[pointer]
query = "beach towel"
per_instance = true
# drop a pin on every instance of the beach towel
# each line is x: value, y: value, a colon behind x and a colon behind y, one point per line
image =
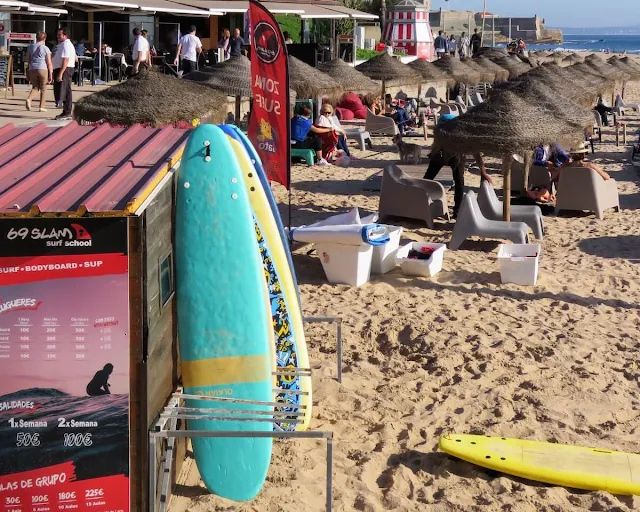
x: 354, y: 234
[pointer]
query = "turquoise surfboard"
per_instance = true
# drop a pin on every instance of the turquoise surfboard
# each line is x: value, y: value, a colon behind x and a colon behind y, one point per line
x: 224, y: 322
x: 290, y: 346
x: 235, y: 132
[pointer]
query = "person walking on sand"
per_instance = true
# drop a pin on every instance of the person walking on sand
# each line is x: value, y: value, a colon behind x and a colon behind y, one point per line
x: 39, y: 70
x: 452, y: 45
x: 99, y: 385
x: 440, y: 45
x: 189, y: 49
x: 476, y: 41
x: 64, y: 63
x: 463, y: 45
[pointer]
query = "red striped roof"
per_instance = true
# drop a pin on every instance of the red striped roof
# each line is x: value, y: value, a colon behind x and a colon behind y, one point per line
x: 80, y: 169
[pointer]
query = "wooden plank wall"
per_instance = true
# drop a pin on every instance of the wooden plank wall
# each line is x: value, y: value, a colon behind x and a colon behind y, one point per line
x: 160, y: 323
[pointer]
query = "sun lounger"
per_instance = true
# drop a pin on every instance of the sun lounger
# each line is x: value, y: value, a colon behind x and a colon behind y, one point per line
x: 380, y: 125
x: 412, y: 198
x: 491, y: 208
x: 362, y: 136
x: 471, y: 222
x: 621, y: 106
x: 582, y: 188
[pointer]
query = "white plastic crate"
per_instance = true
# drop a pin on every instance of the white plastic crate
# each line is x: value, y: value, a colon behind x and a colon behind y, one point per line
x: 384, y: 256
x: 425, y: 268
x: 519, y: 263
x: 346, y: 264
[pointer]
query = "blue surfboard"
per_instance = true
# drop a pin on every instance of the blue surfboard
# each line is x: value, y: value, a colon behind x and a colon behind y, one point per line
x: 224, y: 321
x: 237, y: 134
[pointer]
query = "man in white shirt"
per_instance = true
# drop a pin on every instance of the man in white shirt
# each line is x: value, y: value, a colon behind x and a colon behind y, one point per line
x: 188, y: 49
x: 140, y: 52
x: 64, y: 62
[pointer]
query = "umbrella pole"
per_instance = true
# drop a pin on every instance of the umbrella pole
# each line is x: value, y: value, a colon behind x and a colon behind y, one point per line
x: 506, y: 187
x: 527, y: 168
x: 238, y: 101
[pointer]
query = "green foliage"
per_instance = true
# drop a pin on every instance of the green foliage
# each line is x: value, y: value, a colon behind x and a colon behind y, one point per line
x: 362, y: 54
x: 290, y: 23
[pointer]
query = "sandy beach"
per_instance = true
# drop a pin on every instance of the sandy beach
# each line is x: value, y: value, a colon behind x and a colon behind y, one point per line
x: 462, y: 353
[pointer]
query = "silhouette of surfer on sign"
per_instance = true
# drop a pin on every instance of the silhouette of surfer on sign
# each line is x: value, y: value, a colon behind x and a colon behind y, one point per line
x: 99, y: 385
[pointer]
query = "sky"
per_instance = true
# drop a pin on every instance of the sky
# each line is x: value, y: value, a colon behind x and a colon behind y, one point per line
x: 558, y: 13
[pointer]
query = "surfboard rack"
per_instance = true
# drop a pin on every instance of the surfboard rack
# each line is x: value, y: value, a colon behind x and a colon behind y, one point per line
x: 165, y: 428
x: 330, y: 320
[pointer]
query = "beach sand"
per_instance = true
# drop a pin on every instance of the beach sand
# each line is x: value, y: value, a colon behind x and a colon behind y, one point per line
x: 462, y: 353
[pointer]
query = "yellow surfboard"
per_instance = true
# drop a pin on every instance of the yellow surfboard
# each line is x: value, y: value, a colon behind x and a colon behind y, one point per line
x: 290, y: 344
x: 592, y: 469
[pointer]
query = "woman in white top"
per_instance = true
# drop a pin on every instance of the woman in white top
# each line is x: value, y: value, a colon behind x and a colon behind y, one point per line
x: 335, y: 139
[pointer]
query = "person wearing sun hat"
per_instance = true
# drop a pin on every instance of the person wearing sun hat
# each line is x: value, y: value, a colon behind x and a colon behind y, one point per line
x: 578, y: 155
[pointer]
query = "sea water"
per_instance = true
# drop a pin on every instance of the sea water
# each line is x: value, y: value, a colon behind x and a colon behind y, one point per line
x: 618, y: 43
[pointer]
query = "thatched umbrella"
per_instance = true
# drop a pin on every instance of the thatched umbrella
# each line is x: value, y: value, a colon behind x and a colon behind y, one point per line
x: 606, y: 70
x: 574, y: 58
x: 458, y: 70
x: 231, y: 77
x: 514, y: 68
x: 587, y: 82
x: 537, y: 89
x: 486, y: 75
x: 430, y: 73
x: 503, y: 125
x: 624, y: 66
x: 389, y: 71
x: 501, y: 73
x: 635, y: 64
x: 568, y: 83
x: 154, y: 99
x: 349, y: 78
x: 308, y: 82
x: 490, y: 52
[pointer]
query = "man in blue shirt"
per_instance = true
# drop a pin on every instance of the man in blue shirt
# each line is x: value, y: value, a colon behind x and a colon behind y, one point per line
x: 551, y: 156
x: 440, y: 45
x: 303, y: 134
x: 236, y: 43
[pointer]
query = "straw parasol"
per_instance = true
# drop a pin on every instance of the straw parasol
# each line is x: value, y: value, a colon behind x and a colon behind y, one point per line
x: 232, y: 76
x: 308, y: 82
x: 573, y: 58
x: 514, y: 68
x: 539, y: 90
x: 430, y: 73
x: 570, y: 84
x: 501, y: 73
x: 390, y: 71
x: 489, y: 52
x: 154, y: 99
x: 486, y: 75
x: 458, y: 70
x: 605, y: 69
x: 585, y: 78
x: 503, y: 125
x: 349, y: 78
x: 632, y: 71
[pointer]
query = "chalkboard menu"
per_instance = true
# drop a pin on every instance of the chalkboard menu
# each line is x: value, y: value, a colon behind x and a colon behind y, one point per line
x: 6, y: 74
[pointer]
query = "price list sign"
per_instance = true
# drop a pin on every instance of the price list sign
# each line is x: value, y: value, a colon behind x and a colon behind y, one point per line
x: 64, y: 365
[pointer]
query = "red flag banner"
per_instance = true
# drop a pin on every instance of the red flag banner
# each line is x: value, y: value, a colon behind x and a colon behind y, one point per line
x: 269, y: 126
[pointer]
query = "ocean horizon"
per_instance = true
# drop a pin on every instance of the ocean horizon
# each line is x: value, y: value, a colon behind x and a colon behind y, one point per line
x: 619, y: 43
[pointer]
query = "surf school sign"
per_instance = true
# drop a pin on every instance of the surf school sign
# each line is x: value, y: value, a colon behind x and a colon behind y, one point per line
x: 269, y: 128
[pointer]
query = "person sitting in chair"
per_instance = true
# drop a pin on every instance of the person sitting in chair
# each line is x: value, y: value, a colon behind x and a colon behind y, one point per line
x: 550, y: 156
x: 337, y: 138
x: 577, y: 159
x: 306, y: 135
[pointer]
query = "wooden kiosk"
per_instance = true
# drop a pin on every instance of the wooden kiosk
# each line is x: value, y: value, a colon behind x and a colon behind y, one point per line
x: 79, y: 189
